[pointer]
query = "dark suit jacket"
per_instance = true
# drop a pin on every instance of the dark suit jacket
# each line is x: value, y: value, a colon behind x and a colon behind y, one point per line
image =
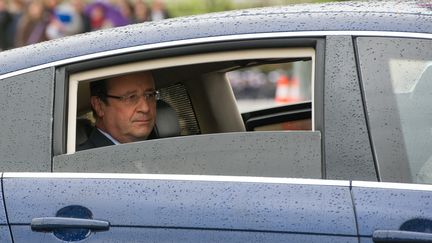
x: 95, y: 140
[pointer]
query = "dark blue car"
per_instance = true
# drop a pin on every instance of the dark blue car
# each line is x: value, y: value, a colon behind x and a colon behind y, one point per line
x: 333, y: 146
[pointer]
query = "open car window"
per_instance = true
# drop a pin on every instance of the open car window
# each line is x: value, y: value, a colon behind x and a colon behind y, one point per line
x: 214, y: 137
x: 199, y: 80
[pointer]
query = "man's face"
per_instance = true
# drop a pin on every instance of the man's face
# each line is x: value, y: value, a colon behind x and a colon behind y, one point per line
x: 128, y: 122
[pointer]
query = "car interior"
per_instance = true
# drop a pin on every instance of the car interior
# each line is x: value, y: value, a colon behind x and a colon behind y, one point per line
x: 196, y: 96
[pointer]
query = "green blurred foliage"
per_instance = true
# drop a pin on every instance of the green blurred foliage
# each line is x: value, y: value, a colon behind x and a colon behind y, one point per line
x: 178, y: 8
x: 192, y: 7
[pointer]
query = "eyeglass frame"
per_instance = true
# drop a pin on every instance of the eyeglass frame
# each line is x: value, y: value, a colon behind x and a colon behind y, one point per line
x: 146, y: 96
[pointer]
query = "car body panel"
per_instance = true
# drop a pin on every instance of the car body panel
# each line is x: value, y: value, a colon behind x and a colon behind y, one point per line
x: 392, y: 206
x: 27, y: 107
x: 279, y: 206
x: 347, y: 157
x: 150, y: 234
x: 5, y: 234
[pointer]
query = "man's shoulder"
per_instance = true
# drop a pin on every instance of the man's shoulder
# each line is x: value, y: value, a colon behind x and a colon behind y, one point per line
x: 95, y: 140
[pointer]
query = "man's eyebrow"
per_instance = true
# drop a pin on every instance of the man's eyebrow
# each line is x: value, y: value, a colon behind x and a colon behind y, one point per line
x: 130, y: 92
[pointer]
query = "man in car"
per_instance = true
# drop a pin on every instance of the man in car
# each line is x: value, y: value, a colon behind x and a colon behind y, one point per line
x: 124, y: 108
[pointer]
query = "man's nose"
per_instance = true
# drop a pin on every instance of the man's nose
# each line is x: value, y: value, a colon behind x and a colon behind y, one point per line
x: 144, y: 105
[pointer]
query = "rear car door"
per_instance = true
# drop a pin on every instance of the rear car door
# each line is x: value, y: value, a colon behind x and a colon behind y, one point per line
x: 393, y: 212
x: 396, y: 75
x: 161, y: 208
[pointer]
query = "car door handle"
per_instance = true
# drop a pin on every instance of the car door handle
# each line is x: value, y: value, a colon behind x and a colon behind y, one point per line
x: 53, y: 223
x: 400, y: 236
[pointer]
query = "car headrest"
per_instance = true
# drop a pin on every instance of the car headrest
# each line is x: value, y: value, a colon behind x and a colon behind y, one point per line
x: 83, y: 130
x: 167, y: 123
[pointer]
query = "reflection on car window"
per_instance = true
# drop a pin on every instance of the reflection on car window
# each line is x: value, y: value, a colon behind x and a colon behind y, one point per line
x: 397, y: 77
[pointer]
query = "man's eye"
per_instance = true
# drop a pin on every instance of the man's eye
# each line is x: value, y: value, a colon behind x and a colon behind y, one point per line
x: 132, y: 98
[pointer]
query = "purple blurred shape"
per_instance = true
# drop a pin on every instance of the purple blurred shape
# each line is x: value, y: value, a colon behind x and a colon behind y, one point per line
x: 112, y: 13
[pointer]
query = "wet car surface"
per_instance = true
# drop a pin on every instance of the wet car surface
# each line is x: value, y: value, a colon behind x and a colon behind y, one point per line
x: 357, y: 169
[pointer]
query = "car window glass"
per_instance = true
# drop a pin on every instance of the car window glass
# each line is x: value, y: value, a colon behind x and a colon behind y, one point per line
x: 263, y: 154
x: 397, y: 79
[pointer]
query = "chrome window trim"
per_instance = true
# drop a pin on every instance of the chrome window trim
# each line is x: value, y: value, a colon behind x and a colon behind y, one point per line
x: 218, y: 39
x: 391, y: 185
x: 247, y: 179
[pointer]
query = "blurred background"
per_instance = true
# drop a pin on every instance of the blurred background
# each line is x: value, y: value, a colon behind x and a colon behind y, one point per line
x: 25, y: 22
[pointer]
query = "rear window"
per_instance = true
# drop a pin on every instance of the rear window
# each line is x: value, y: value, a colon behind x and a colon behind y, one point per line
x: 397, y: 79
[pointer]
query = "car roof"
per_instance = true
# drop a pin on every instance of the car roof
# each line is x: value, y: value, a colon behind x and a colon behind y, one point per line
x: 401, y: 16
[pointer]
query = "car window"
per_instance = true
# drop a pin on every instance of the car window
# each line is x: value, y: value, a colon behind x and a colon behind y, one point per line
x: 212, y: 138
x: 397, y: 79
x: 194, y: 86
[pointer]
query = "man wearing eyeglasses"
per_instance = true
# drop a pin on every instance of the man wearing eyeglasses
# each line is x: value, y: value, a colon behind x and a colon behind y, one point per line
x: 124, y: 108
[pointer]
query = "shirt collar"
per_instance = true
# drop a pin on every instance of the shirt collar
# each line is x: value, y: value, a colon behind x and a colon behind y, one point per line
x: 109, y: 137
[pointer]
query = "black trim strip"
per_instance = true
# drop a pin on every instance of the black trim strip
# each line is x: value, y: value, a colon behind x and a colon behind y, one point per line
x: 363, y: 97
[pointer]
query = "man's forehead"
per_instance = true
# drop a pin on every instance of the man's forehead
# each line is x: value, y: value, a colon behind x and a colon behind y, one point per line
x: 132, y: 82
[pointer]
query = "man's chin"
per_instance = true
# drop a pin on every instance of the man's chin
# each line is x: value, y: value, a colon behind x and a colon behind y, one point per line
x: 141, y: 134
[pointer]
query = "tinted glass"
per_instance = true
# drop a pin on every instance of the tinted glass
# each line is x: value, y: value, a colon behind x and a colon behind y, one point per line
x: 397, y: 79
x: 264, y: 154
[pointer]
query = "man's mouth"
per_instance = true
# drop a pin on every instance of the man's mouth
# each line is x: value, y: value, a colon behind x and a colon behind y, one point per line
x: 143, y: 121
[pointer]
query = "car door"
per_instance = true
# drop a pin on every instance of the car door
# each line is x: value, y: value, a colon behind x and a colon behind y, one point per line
x: 396, y: 79
x: 393, y: 212
x: 72, y: 207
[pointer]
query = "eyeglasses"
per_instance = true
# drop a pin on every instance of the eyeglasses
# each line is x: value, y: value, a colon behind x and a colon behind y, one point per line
x: 133, y: 99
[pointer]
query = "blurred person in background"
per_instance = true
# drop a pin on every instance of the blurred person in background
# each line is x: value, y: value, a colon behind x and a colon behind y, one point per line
x: 158, y: 11
x: 50, y: 5
x: 79, y: 7
x: 126, y: 9
x: 32, y: 25
x: 141, y: 12
x: 65, y: 21
x: 97, y: 17
x: 16, y: 10
x: 5, y: 20
x: 104, y: 15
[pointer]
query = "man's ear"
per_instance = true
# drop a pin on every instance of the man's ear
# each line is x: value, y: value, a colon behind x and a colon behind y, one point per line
x: 97, y: 106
